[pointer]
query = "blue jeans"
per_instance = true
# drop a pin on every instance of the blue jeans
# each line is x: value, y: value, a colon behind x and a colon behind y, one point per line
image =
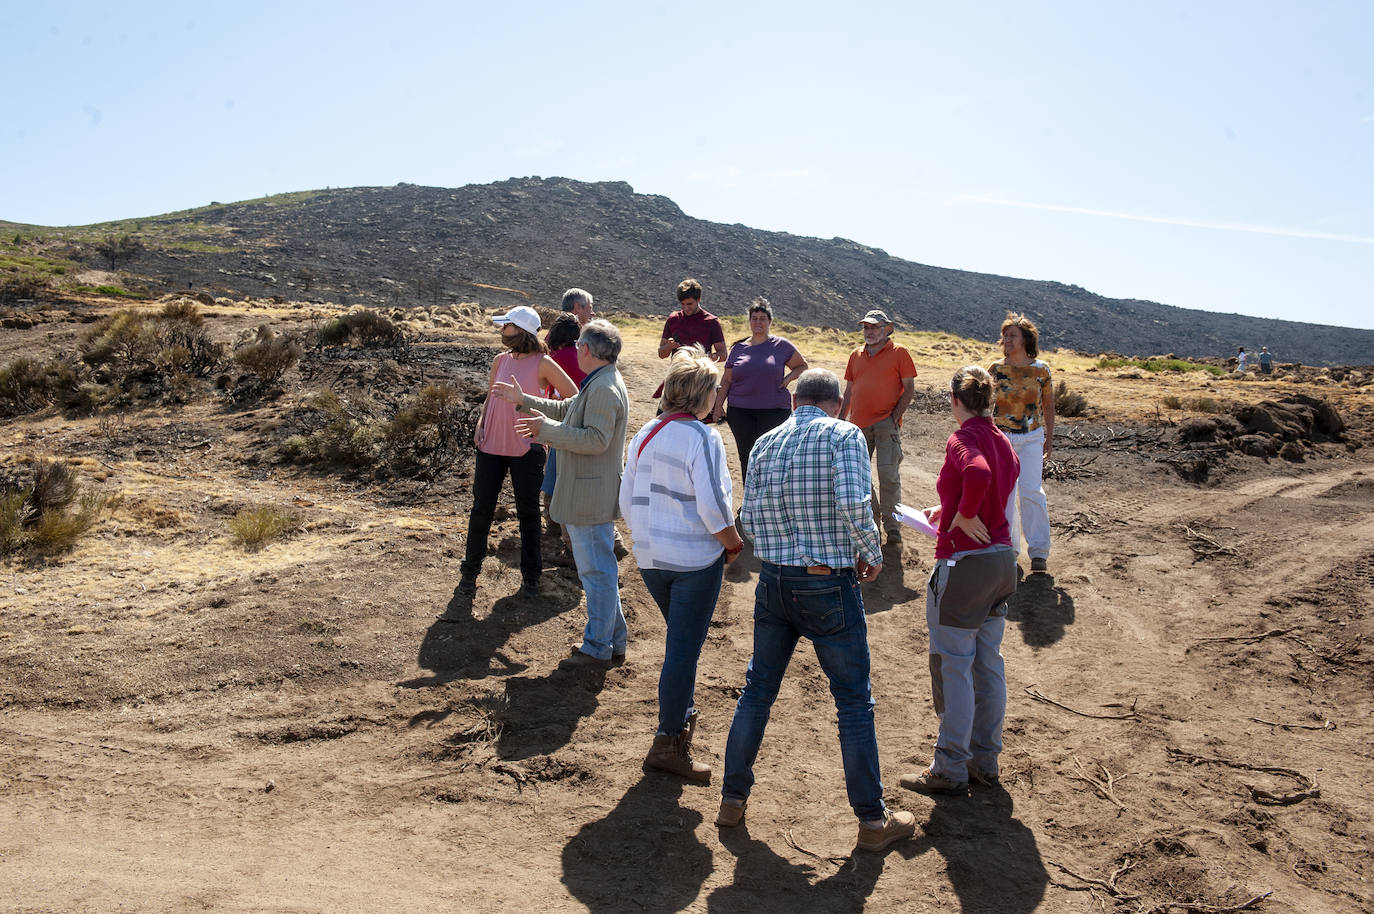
x: 593, y: 547
x: 828, y: 609
x: 550, y: 473
x: 687, y: 600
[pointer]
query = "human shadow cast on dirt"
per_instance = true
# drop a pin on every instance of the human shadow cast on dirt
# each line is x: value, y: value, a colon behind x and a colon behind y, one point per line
x: 1041, y: 609
x: 458, y: 645
x: 991, y: 857
x: 890, y: 588
x: 542, y: 712
x: 643, y: 856
x: 765, y: 880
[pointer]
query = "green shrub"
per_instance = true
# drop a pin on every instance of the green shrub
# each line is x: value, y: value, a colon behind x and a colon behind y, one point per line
x: 254, y: 528
x: 267, y: 357
x: 340, y: 435
x: 27, y: 385
x: 1156, y: 365
x: 36, y: 516
x: 1068, y: 403
x: 1203, y: 405
x: 367, y: 328
x: 1172, y: 402
x: 424, y: 436
x: 161, y: 354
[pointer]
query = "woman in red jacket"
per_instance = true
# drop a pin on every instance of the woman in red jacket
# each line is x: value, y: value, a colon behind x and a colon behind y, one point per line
x: 966, y: 598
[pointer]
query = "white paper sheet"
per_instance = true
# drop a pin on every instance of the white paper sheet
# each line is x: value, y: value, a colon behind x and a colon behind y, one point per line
x: 915, y: 518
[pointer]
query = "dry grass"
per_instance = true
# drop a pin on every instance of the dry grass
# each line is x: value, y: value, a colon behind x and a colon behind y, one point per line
x: 254, y: 528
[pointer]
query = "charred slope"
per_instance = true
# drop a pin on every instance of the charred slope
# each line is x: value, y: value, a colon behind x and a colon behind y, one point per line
x: 530, y: 238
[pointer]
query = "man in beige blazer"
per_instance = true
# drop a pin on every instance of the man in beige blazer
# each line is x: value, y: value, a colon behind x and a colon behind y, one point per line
x: 589, y: 431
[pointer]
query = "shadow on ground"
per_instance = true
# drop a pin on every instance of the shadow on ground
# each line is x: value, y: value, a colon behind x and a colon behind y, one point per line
x: 643, y: 856
x: 1042, y: 610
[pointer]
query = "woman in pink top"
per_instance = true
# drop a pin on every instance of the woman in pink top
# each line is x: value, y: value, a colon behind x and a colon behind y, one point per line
x: 500, y: 448
x: 966, y: 598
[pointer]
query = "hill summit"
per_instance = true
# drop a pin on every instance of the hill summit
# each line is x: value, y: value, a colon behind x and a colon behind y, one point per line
x: 528, y: 239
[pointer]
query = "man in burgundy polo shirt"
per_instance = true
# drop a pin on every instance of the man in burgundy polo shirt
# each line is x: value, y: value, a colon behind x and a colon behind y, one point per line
x: 879, y: 382
x: 692, y: 324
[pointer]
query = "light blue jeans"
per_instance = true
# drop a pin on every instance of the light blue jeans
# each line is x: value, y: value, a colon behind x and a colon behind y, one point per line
x: 790, y: 604
x: 593, y: 547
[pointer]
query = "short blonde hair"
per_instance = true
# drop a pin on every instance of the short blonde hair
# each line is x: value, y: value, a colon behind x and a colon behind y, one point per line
x: 691, y: 383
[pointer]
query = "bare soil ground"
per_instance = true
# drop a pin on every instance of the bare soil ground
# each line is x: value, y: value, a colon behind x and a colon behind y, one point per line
x: 185, y: 725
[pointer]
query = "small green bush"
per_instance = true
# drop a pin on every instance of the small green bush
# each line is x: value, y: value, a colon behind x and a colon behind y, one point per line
x: 1172, y: 402
x: 1157, y: 365
x: 254, y: 528
x: 267, y: 357
x: 27, y: 385
x: 367, y: 328
x: 1068, y: 403
x: 342, y: 435
x: 157, y: 355
x: 36, y: 516
x: 1203, y: 405
x: 424, y: 436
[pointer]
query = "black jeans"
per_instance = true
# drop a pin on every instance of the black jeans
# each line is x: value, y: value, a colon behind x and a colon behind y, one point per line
x: 748, y: 425
x: 526, y: 476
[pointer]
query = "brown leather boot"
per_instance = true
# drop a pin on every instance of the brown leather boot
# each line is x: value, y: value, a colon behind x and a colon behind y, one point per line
x: 672, y: 753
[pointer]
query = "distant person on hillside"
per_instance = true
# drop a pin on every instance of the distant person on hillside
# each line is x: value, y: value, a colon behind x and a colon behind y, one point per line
x: 562, y: 343
x: 502, y: 448
x: 757, y: 373
x: 578, y: 302
x: 589, y: 431
x: 1241, y: 359
x: 1025, y: 412
x: 879, y: 382
x: 806, y: 507
x: 966, y: 598
x: 1266, y: 361
x: 676, y: 495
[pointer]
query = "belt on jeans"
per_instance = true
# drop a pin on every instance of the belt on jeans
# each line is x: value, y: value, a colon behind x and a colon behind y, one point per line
x: 811, y: 569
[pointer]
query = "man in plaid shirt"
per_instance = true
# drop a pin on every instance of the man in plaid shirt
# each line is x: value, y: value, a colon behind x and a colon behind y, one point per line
x: 807, y: 507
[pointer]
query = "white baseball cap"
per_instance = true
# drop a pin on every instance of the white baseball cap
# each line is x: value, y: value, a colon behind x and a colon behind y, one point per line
x: 522, y: 316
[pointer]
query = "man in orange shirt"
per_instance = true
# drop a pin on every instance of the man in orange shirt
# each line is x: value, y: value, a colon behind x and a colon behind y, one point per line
x: 880, y: 381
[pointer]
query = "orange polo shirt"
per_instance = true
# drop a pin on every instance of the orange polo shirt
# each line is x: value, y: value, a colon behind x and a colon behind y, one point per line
x: 876, y: 382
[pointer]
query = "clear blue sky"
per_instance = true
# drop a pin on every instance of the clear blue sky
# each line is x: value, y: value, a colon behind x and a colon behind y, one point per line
x: 1215, y: 155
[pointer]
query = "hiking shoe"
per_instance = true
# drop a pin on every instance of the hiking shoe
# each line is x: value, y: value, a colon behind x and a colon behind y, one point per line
x: 982, y: 778
x: 467, y: 586
x: 928, y: 782
x: 528, y: 590
x: 731, y: 813
x: 1039, y: 566
x: 672, y: 753
x: 896, y: 826
x: 579, y: 658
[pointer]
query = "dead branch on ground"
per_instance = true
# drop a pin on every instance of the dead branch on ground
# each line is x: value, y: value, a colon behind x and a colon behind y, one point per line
x: 1105, y: 785
x: 1069, y: 468
x: 1249, y: 639
x: 1197, y: 907
x: 1038, y: 696
x: 792, y: 843
x: 1204, y: 546
x: 1264, y: 797
x: 1325, y: 725
x: 1085, y: 522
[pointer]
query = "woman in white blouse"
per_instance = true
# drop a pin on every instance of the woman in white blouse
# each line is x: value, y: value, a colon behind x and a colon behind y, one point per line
x: 676, y: 496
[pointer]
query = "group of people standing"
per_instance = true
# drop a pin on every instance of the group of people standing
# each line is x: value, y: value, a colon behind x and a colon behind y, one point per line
x: 810, y: 510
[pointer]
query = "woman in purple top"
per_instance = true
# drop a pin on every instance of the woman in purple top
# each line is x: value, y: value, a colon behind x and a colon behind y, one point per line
x: 757, y: 373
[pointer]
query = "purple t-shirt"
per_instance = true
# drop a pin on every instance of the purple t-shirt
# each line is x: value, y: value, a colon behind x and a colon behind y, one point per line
x: 756, y: 374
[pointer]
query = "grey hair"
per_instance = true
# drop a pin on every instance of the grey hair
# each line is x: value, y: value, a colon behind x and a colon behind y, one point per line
x: 574, y: 297
x: 602, y: 340
x: 818, y: 385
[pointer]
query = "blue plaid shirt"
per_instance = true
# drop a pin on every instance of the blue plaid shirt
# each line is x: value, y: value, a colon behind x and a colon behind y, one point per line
x: 807, y: 496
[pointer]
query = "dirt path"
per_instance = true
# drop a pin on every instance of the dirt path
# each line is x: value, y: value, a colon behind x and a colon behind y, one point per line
x: 186, y: 726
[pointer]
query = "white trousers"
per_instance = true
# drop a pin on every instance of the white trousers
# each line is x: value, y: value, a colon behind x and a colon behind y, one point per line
x: 1029, y: 513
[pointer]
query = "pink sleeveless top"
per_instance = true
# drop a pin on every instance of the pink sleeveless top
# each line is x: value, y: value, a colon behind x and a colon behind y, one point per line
x: 499, y: 436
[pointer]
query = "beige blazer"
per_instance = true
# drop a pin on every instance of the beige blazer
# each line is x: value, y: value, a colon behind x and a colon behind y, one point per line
x: 589, y: 432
